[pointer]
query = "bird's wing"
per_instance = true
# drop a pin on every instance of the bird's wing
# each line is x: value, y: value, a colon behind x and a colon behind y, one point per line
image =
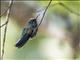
x: 34, y: 32
x: 27, y: 31
x: 24, y: 32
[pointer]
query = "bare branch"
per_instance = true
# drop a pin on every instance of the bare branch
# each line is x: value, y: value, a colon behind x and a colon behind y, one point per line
x: 7, y: 18
x: 63, y: 5
x: 44, y: 13
x: 5, y: 11
x: 66, y: 7
x: 4, y: 24
x: 45, y: 6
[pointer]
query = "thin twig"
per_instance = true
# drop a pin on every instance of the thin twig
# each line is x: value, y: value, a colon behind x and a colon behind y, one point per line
x: 66, y: 7
x: 44, y: 13
x: 5, y: 11
x: 4, y: 24
x: 45, y: 6
x: 63, y: 5
x: 7, y: 18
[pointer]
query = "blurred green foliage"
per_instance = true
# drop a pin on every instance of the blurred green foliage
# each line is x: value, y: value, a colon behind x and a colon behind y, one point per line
x: 31, y: 50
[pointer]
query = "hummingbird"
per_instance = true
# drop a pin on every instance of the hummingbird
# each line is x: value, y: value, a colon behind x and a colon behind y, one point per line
x: 29, y: 31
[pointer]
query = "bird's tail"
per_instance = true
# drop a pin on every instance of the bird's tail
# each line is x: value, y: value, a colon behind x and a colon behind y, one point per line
x: 22, y: 41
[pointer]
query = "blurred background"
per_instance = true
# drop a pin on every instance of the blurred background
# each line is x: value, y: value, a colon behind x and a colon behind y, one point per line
x: 58, y: 37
